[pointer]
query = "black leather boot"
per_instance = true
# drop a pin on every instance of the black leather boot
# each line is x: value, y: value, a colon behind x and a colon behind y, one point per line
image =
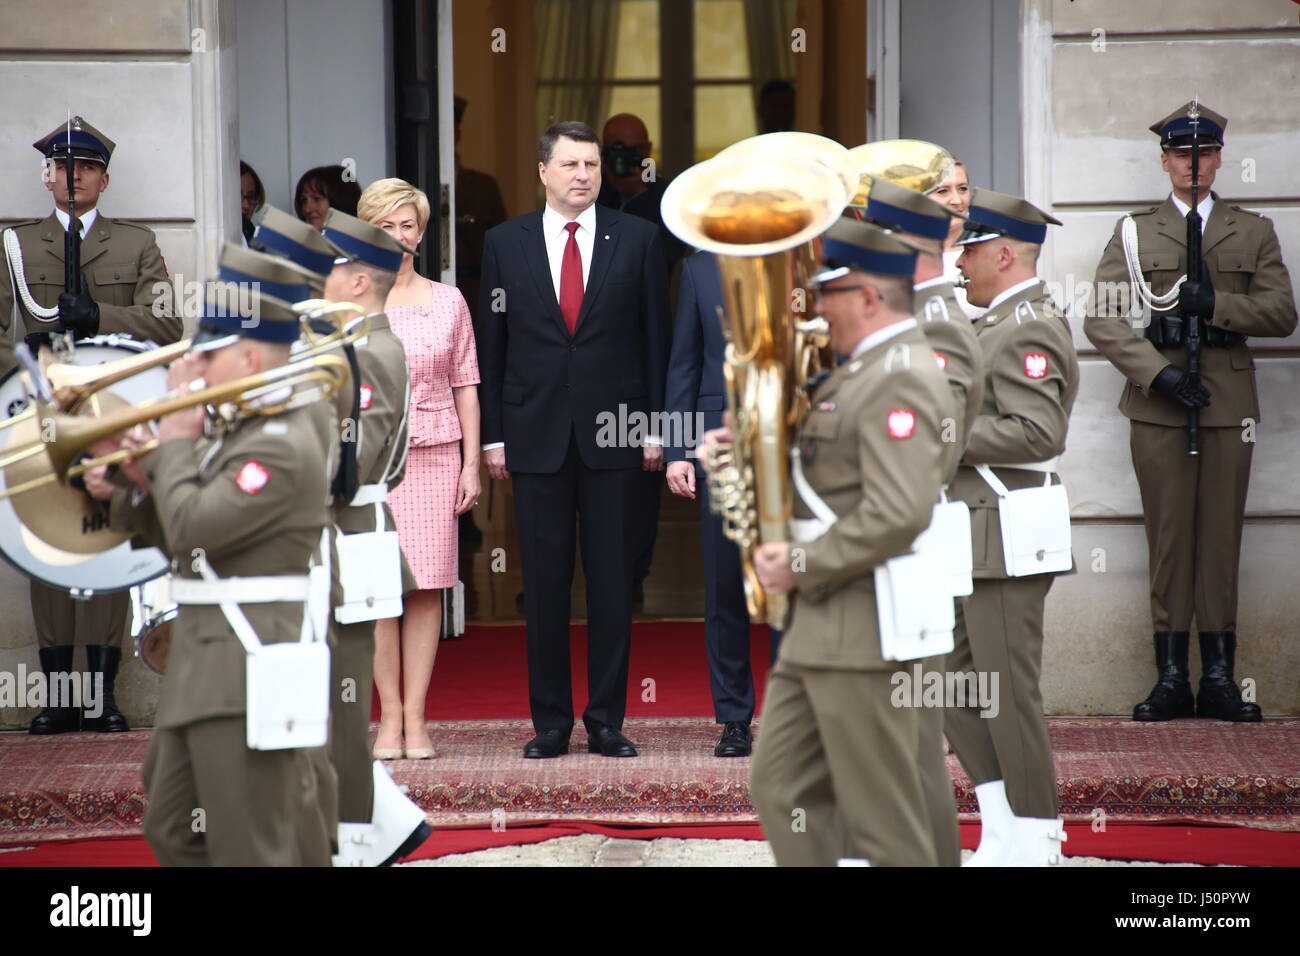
x: 1219, y: 697
x: 1172, y: 696
x: 56, y: 720
x: 101, y: 659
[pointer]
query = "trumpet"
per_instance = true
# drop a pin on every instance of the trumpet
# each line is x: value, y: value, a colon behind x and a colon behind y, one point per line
x: 310, y: 380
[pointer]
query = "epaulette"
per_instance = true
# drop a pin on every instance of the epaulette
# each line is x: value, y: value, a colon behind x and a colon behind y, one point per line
x: 900, y: 355
x: 22, y: 222
x: 1247, y: 212
x: 131, y: 223
x: 1146, y: 211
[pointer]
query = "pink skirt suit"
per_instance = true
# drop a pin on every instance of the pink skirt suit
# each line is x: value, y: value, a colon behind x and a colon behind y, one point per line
x: 439, y: 342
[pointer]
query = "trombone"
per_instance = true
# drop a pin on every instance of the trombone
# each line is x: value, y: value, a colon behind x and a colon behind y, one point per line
x: 311, y: 379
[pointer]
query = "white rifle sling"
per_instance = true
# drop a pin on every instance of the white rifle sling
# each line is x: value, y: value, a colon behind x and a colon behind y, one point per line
x: 1035, y: 522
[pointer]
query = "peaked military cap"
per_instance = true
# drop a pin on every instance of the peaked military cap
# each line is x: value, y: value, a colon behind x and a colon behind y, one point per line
x: 850, y: 245
x: 364, y: 242
x: 997, y: 214
x: 253, y: 298
x: 906, y: 210
x: 300, y: 243
x: 1175, y: 130
x: 86, y: 142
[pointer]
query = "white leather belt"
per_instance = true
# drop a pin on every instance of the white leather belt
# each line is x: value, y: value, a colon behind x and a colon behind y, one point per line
x: 1047, y: 467
x: 269, y: 589
x: 369, y: 495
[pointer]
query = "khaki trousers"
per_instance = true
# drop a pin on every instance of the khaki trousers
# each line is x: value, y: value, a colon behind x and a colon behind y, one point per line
x: 214, y: 802
x: 1193, y: 507
x: 1000, y: 631
x: 352, y: 678
x: 835, y: 771
x: 61, y: 620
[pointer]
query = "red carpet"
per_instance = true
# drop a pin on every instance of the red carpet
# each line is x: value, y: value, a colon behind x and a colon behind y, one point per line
x: 1233, y: 846
x: 484, y: 673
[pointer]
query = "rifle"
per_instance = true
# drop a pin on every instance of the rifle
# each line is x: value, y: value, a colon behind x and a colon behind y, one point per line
x: 1195, y: 273
x: 71, y: 241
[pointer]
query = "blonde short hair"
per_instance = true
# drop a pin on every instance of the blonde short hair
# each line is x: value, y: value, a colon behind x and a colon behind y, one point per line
x: 384, y: 195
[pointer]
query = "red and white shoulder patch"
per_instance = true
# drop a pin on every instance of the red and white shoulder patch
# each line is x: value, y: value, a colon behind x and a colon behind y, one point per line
x: 367, y: 393
x: 1035, y: 364
x: 941, y: 360
x: 902, y: 422
x: 253, y: 477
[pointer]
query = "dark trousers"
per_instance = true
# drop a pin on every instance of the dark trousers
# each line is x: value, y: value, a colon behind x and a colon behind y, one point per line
x: 649, y: 487
x: 546, y: 506
x: 726, y: 618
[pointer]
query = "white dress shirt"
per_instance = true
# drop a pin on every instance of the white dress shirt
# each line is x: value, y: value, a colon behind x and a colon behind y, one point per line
x: 1008, y: 293
x: 86, y: 219
x: 1203, y: 207
x: 882, y: 335
x: 557, y: 237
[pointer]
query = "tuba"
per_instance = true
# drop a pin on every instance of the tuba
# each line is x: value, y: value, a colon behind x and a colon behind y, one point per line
x: 760, y: 206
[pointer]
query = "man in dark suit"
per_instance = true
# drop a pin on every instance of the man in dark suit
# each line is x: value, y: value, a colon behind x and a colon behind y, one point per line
x: 572, y: 345
x: 697, y: 393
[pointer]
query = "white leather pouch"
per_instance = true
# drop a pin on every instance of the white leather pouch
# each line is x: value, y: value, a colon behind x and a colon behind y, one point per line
x: 370, y: 567
x: 947, y: 542
x: 1035, y: 526
x: 913, y: 608
x: 287, y: 688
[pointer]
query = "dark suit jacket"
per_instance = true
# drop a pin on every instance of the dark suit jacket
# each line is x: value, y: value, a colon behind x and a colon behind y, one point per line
x: 646, y: 206
x: 538, y: 384
x: 695, y: 382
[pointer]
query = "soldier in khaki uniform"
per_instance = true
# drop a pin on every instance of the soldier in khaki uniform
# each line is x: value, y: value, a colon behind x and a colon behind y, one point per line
x: 1193, y: 507
x: 836, y: 771
x: 120, y: 266
x: 924, y: 223
x: 355, y: 261
x: 251, y: 499
x: 1032, y: 377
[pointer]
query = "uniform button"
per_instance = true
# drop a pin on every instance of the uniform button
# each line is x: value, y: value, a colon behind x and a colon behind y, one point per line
x: 573, y: 348
x: 42, y: 276
x: 984, y: 501
x: 117, y: 275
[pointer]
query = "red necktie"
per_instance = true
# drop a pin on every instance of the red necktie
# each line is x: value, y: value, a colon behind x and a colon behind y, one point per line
x: 571, y: 280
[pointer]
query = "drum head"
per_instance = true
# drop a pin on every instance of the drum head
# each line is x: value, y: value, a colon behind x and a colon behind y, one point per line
x: 74, y: 550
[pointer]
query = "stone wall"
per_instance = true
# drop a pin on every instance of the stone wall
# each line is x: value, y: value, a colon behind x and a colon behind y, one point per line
x: 1094, y: 76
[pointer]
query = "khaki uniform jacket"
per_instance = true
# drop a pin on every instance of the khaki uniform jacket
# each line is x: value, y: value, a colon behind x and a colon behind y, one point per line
x: 252, y: 503
x: 122, y: 266
x: 381, y: 361
x: 1252, y: 296
x: 960, y: 358
x: 1031, y: 379
x: 883, y: 488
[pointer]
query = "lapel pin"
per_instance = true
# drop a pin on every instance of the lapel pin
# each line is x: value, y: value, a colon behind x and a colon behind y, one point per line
x: 606, y: 235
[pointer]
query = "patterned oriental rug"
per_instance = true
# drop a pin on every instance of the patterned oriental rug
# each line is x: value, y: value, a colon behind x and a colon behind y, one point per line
x: 88, y: 785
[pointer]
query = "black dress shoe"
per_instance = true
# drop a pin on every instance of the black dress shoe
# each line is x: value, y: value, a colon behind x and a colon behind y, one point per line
x: 1172, y: 696
x: 736, y: 740
x: 549, y: 743
x: 609, y: 743
x: 1218, y: 696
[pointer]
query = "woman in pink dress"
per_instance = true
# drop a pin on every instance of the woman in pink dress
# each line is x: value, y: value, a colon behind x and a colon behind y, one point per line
x: 441, y: 482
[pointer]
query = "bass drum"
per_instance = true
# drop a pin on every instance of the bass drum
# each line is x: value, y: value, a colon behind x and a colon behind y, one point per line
x: 103, y: 560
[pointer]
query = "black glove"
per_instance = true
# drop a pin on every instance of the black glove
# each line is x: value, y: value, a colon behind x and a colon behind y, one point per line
x: 79, y: 313
x: 1197, y: 298
x: 1177, y: 384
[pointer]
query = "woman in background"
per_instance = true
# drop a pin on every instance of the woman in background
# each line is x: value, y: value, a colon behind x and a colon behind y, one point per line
x: 324, y: 188
x: 441, y: 481
x: 954, y: 192
x: 252, y: 197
